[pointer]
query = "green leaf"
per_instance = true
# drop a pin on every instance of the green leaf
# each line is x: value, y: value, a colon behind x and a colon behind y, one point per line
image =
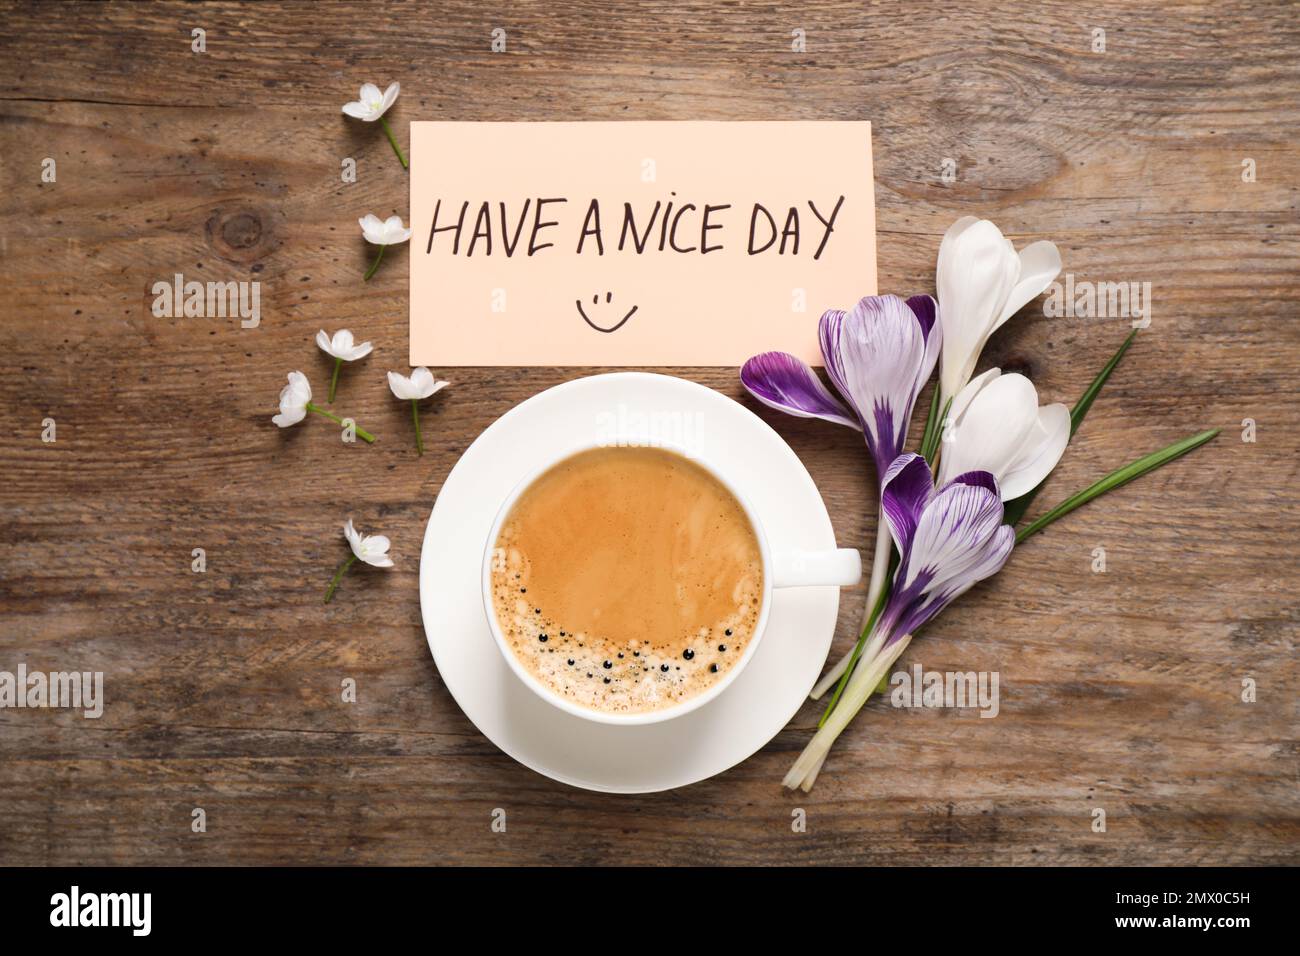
x: 1016, y: 508
x: 1117, y: 478
x: 1085, y: 401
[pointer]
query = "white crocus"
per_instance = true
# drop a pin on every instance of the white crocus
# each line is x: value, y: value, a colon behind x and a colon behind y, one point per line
x: 295, y: 403
x: 372, y: 105
x: 996, y: 425
x: 382, y: 233
x: 342, y: 349
x: 419, y: 386
x: 981, y: 282
x: 371, y: 549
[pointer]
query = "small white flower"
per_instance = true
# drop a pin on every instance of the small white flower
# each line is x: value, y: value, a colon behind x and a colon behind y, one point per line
x: 370, y: 548
x: 383, y: 232
x: 420, y: 385
x: 371, y: 104
x: 341, y: 346
x: 295, y: 403
x: 294, y: 399
x: 342, y: 349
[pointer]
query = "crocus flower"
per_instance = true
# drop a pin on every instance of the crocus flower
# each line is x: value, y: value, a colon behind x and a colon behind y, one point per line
x: 878, y: 355
x: 981, y: 282
x: 342, y: 349
x: 382, y: 233
x: 996, y: 425
x: 372, y: 105
x: 948, y: 540
x: 418, y: 387
x: 370, y: 548
x: 295, y: 403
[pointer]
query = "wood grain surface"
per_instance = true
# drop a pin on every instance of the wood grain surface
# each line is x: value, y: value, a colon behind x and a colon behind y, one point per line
x: 1119, y: 690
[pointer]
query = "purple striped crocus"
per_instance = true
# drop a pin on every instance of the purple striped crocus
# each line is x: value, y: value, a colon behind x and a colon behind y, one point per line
x: 879, y: 355
x: 949, y: 539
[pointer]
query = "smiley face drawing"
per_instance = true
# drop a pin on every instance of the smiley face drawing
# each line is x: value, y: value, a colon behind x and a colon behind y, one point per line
x: 595, y: 301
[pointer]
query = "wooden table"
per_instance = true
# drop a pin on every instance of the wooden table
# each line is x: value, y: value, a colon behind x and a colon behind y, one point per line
x: 1121, y: 691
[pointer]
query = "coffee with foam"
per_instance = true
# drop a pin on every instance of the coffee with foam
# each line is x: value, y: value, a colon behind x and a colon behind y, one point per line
x: 627, y: 580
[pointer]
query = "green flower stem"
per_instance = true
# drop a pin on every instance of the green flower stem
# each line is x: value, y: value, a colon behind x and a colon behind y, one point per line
x: 338, y: 576
x: 930, y: 421
x: 361, y: 432
x: 393, y: 139
x: 1122, y: 476
x: 415, y: 417
x: 374, y: 265
x: 334, y: 379
x: 934, y: 432
x: 863, y: 637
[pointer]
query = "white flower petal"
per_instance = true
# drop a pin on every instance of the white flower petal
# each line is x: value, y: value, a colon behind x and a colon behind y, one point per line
x: 422, y: 381
x: 370, y: 94
x: 299, y: 382
x: 1040, y: 263
x: 372, y: 227
x: 394, y: 232
x: 401, y: 386
x: 390, y: 96
x: 1040, y: 452
x: 291, y: 417
x: 323, y: 342
x: 354, y: 539
x: 963, y: 398
x: 356, y: 110
x: 357, y: 352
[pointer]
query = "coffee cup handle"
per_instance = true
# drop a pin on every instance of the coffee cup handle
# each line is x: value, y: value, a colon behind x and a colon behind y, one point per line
x: 841, y: 567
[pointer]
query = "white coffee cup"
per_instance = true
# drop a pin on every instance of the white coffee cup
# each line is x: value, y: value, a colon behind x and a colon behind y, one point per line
x: 841, y: 567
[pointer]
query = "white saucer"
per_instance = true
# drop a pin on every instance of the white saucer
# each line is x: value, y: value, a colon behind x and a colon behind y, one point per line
x: 578, y: 752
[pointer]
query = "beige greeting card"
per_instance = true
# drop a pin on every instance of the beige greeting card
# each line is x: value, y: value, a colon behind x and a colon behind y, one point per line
x: 638, y: 243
